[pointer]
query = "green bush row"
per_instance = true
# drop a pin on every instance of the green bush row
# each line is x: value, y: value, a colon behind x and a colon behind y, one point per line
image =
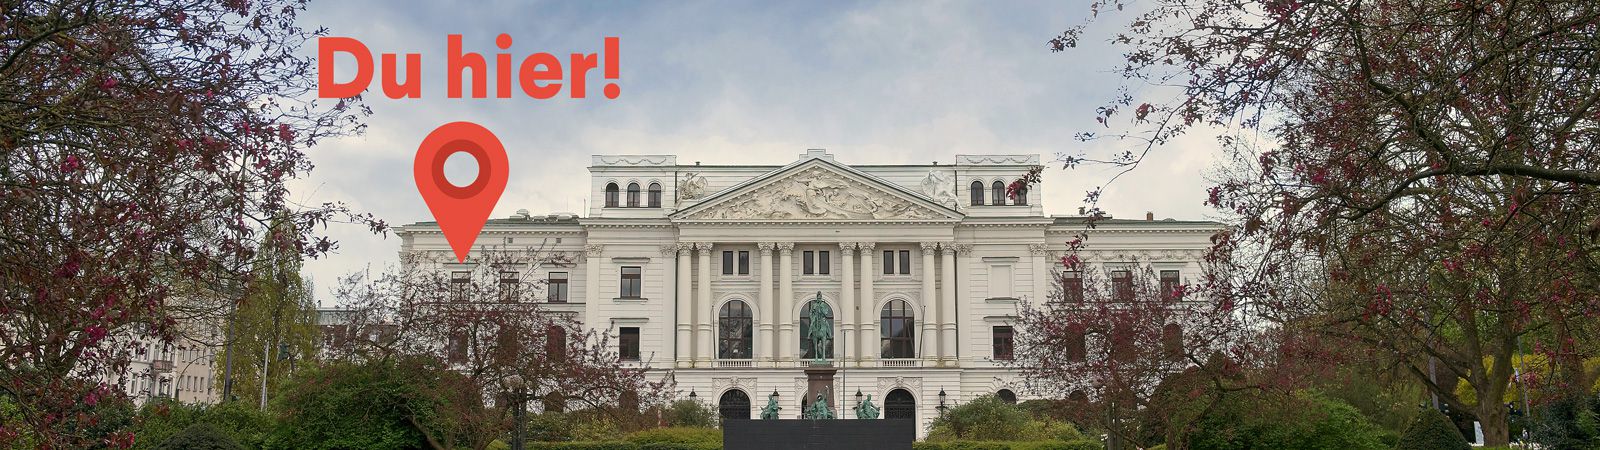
x: 620, y: 445
x: 1080, y: 444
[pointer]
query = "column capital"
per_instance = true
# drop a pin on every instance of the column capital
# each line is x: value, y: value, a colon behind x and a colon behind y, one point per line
x: 929, y: 245
x: 785, y: 248
x: 766, y: 247
x: 593, y: 249
x: 960, y: 249
x: 672, y: 249
x: 702, y: 246
x: 847, y: 247
x: 866, y: 246
x: 1039, y: 249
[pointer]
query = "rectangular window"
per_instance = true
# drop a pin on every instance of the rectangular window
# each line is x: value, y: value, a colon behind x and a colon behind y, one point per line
x: 1122, y: 285
x: 460, y: 282
x: 557, y: 287
x: 1072, y: 286
x: 744, y: 262
x: 510, y: 286
x: 727, y: 263
x: 822, y: 262
x: 1003, y: 342
x: 632, y: 282
x: 888, y: 262
x: 628, y: 344
x: 457, y: 351
x: 905, y: 262
x: 1169, y: 285
x: 1077, y: 345
x: 808, y: 263
x: 555, y: 342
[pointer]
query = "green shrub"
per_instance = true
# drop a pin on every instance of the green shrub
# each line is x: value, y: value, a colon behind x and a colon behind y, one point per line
x: 690, y: 413
x: 200, y: 436
x: 162, y: 419
x: 1305, y: 421
x: 583, y: 445
x: 1432, y: 431
x: 548, y: 427
x: 677, y: 435
x: 990, y: 419
x: 1081, y: 444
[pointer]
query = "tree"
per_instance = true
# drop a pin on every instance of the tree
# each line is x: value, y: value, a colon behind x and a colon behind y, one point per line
x: 1110, y: 342
x: 486, y: 322
x: 273, y: 329
x: 1422, y: 181
x: 146, y: 145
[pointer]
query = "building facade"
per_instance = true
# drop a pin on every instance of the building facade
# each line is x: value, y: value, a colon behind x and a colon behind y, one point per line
x: 713, y: 272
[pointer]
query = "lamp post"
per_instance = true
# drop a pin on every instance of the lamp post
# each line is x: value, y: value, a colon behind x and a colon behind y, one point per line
x: 942, y: 408
x: 519, y: 398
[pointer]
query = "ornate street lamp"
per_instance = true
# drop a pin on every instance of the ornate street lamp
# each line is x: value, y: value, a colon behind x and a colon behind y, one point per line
x: 858, y: 396
x: 942, y: 408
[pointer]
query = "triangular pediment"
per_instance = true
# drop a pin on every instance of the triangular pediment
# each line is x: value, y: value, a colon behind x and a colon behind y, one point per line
x: 816, y: 190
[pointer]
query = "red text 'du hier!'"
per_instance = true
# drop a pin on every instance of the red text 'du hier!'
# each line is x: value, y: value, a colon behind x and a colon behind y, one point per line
x: 539, y: 75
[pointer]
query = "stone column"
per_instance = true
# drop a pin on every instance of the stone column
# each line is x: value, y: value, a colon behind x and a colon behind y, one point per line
x: 704, y: 315
x: 846, y: 317
x: 685, y: 303
x: 786, y: 343
x: 930, y: 303
x: 1043, y: 273
x: 764, y: 350
x: 591, y: 281
x: 947, y: 304
x: 866, y: 336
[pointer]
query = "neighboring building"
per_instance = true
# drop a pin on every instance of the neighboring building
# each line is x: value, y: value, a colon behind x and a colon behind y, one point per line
x: 181, y: 370
x: 710, y: 270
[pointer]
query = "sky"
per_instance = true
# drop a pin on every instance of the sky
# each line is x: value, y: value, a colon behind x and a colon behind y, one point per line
x: 891, y: 82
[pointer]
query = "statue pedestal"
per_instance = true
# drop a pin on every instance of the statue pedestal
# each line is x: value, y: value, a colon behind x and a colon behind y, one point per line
x: 819, y: 379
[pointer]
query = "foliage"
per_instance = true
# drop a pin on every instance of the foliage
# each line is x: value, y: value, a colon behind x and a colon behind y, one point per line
x: 1432, y: 431
x: 690, y: 413
x: 161, y: 419
x: 677, y: 435
x: 1303, y: 421
x: 200, y: 436
x: 277, y: 316
x: 1081, y: 444
x: 1107, y: 343
x: 1568, y: 423
x: 990, y: 419
x: 147, y: 145
x: 385, y: 404
x: 491, y: 326
x: 1416, y: 178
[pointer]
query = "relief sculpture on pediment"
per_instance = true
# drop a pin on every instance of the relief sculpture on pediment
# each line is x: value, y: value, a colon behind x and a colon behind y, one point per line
x: 817, y: 193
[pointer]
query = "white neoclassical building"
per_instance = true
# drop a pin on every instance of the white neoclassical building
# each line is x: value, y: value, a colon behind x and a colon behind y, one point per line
x: 711, y: 271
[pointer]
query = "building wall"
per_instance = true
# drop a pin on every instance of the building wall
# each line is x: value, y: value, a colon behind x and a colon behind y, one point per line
x: 1007, y: 255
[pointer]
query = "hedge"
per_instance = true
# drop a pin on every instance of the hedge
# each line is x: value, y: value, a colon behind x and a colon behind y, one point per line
x: 620, y: 445
x: 1081, y: 444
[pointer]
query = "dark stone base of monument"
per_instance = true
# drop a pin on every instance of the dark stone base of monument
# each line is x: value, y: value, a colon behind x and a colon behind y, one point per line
x: 797, y: 434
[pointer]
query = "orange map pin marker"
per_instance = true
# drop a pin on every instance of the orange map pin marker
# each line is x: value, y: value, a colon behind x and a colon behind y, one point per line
x: 461, y: 210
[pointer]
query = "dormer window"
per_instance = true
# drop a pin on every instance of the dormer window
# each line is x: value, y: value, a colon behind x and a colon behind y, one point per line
x: 977, y: 193
x: 655, y: 195
x: 633, y: 195
x: 611, y: 195
x: 999, y: 193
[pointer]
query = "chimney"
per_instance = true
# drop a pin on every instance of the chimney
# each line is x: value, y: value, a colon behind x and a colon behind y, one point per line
x: 1080, y: 210
x: 1149, y: 216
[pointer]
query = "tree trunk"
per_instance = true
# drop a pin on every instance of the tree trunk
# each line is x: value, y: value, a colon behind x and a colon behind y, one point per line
x: 1493, y: 417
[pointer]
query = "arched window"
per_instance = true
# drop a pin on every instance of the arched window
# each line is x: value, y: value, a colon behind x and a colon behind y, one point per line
x: 899, y: 404
x: 611, y: 195
x: 734, y: 404
x: 633, y: 195
x: 733, y: 331
x: 806, y: 351
x: 999, y: 193
x: 898, y: 328
x: 655, y: 195
x: 1005, y: 395
x: 977, y: 193
x: 1022, y: 193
